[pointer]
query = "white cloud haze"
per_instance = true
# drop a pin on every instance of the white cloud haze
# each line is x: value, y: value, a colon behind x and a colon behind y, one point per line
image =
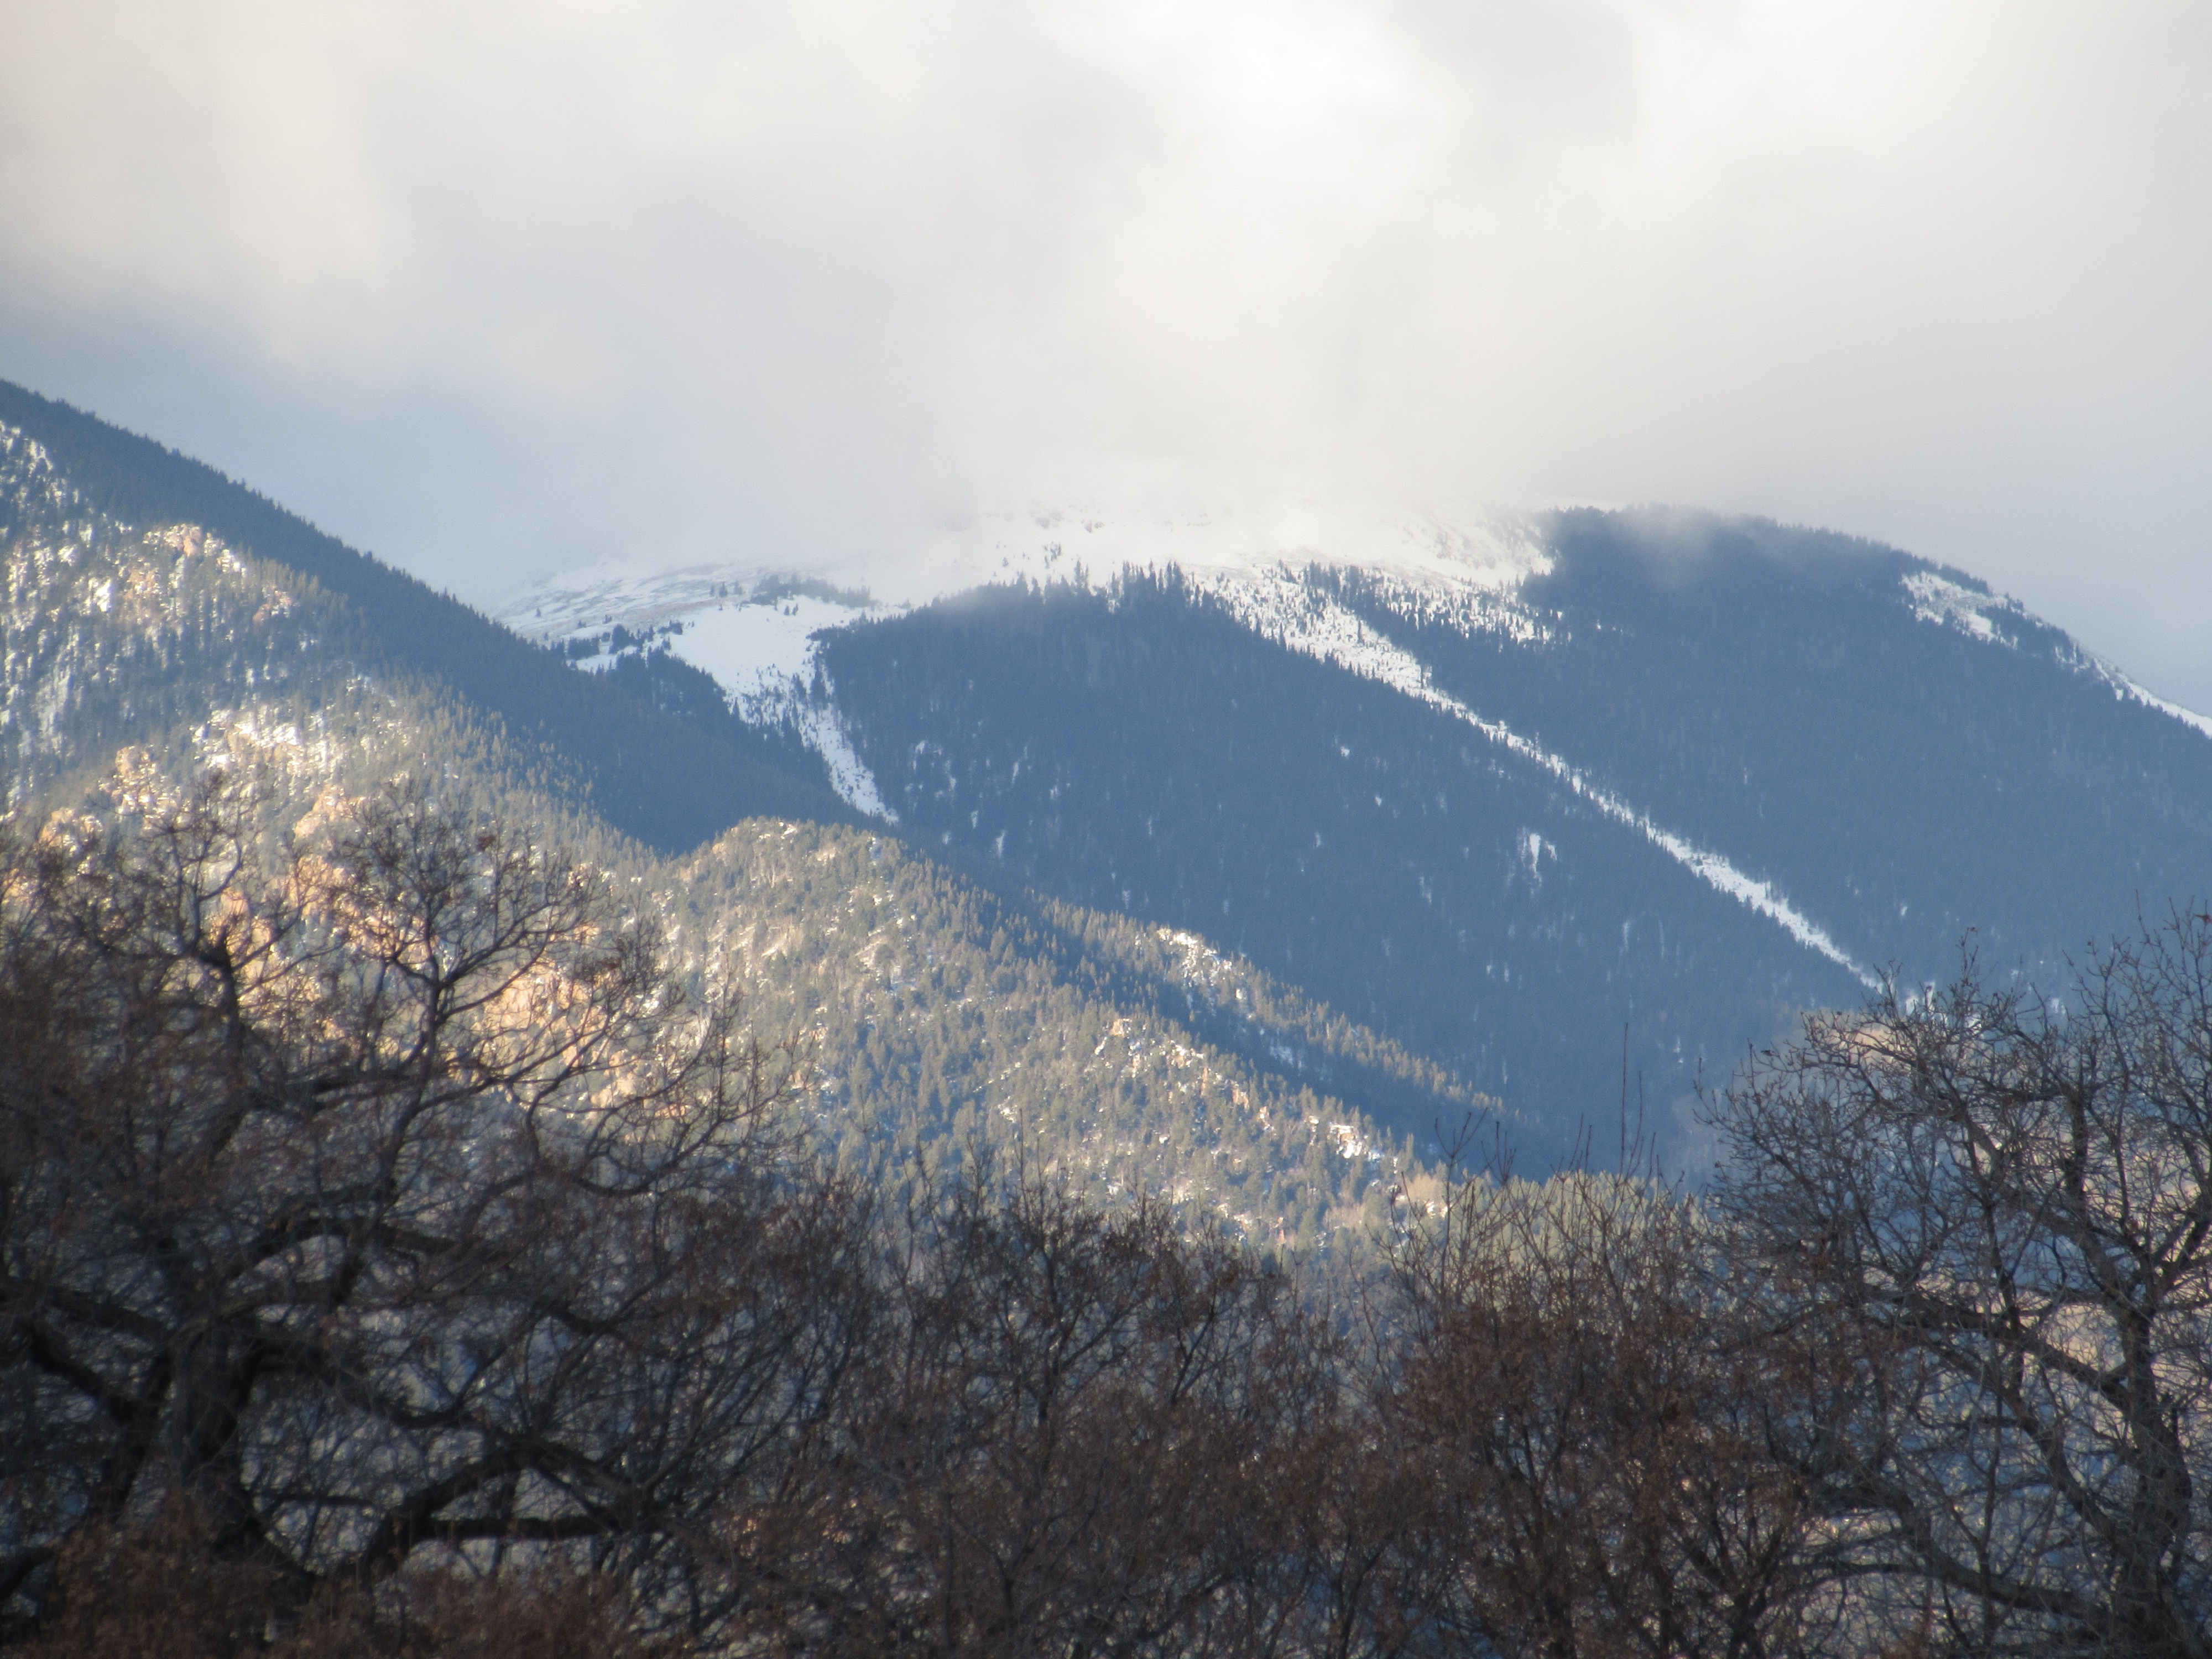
x: 490, y: 287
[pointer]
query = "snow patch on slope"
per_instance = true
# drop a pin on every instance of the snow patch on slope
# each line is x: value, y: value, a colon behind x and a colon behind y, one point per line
x: 760, y: 650
x: 848, y: 774
x: 1973, y: 612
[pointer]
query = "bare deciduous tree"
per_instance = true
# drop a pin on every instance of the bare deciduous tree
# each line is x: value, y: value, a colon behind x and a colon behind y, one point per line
x: 1997, y: 1211
x: 391, y: 1253
x: 1578, y: 1438
x: 381, y: 1197
x: 1080, y: 1441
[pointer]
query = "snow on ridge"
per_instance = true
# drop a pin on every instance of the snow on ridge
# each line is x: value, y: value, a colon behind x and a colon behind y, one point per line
x: 1470, y: 549
x: 1939, y: 600
x: 1467, y: 564
x: 2124, y: 687
x: 1288, y: 611
x: 762, y: 653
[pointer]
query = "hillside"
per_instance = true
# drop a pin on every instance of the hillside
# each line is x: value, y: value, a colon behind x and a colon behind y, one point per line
x: 1577, y: 807
x: 947, y: 1018
x: 951, y: 1019
x: 1563, y: 812
x: 668, y: 781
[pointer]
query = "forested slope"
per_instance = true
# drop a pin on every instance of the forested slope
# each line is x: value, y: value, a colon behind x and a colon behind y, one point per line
x: 943, y: 1020
x: 1142, y: 750
x: 1910, y: 754
x: 670, y: 782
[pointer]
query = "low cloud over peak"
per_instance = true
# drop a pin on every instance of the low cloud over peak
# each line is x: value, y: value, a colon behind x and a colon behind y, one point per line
x: 494, y: 287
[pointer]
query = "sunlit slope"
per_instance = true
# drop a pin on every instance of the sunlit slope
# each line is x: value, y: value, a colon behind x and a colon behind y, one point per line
x: 952, y: 1021
x: 669, y: 782
x: 944, y: 1020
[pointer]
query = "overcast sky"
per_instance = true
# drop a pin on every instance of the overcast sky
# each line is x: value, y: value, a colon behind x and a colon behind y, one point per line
x: 489, y: 288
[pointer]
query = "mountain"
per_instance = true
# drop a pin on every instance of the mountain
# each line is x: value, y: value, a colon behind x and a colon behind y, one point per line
x: 949, y: 1018
x: 1575, y: 805
x: 669, y: 781
x: 1195, y: 846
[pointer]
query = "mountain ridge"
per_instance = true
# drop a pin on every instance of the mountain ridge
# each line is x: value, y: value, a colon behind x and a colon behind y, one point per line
x: 1832, y: 735
x: 1552, y: 814
x: 700, y: 782
x: 135, y: 659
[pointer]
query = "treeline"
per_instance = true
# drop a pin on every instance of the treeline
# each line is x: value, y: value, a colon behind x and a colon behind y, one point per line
x: 396, y: 1262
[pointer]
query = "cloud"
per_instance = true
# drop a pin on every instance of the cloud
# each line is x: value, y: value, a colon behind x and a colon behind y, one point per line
x: 495, y: 286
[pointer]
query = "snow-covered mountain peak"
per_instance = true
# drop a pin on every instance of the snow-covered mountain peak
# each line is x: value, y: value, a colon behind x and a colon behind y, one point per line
x: 1467, y: 550
x: 750, y: 623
